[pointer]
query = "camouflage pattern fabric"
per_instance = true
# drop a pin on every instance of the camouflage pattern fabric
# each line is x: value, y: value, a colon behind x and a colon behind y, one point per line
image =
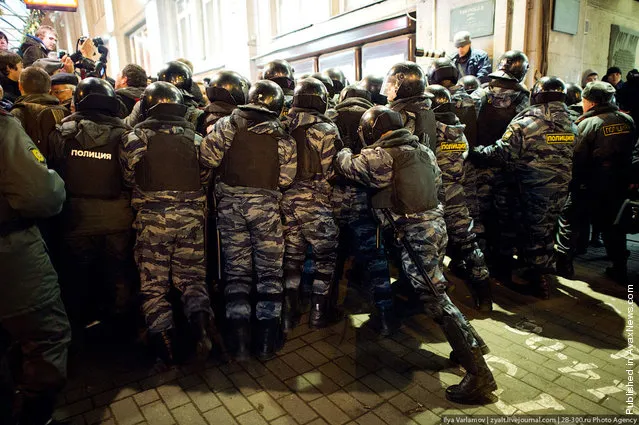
x: 250, y: 224
x: 216, y: 110
x: 307, y: 210
x: 536, y: 150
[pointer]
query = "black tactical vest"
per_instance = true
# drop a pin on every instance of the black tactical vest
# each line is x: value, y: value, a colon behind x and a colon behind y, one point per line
x: 309, y: 163
x: 347, y: 122
x: 492, y: 122
x: 425, y: 125
x: 252, y: 160
x: 95, y: 172
x: 468, y: 116
x: 413, y: 185
x: 170, y: 163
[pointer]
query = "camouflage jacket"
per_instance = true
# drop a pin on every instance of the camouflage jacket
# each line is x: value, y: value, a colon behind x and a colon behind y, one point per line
x: 452, y: 148
x: 134, y: 146
x: 348, y: 130
x: 538, y: 142
x: 216, y: 110
x: 323, y: 136
x: 500, y: 97
x: 262, y: 121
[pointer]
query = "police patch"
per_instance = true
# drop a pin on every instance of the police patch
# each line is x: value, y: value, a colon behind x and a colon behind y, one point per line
x: 560, y: 138
x: 453, y: 147
x: 613, y: 129
x: 37, y: 154
x: 507, y: 135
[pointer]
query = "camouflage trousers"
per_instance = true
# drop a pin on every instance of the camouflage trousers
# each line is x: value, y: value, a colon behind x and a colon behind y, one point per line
x: 358, y: 229
x: 308, y: 221
x: 169, y: 250
x: 252, y: 245
x: 459, y: 225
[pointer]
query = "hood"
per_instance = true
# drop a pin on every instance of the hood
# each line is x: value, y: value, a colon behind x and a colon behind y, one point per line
x: 585, y: 75
x: 445, y: 115
x: 354, y: 103
x: 401, y: 103
x: 30, y: 41
x: 220, y: 108
x: 301, y: 116
x: 551, y: 111
x: 394, y: 138
x: 91, y: 134
x: 260, y: 121
x: 97, y: 117
x: 134, y: 93
x: 40, y: 99
x: 598, y: 110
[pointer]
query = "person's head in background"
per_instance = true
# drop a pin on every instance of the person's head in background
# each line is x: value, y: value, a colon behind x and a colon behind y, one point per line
x: 48, y: 36
x: 34, y: 80
x: 4, y: 42
x: 11, y: 65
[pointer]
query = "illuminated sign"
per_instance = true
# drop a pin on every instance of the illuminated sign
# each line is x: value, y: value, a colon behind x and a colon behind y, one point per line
x: 63, y: 5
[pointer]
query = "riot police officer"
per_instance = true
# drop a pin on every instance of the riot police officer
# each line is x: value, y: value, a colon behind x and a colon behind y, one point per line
x: 254, y: 158
x: 160, y: 160
x: 306, y: 206
x: 339, y: 82
x: 281, y: 73
x: 414, y: 211
x: 373, y: 84
x: 470, y: 83
x: 536, y: 150
x: 96, y: 243
x: 226, y: 91
x: 573, y: 100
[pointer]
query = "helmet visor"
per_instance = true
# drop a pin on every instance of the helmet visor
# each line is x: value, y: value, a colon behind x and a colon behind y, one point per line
x: 390, y: 87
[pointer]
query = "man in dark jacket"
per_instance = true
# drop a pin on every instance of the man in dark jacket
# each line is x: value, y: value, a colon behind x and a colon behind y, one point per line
x: 470, y: 61
x: 601, y: 174
x: 10, y: 69
x: 129, y: 86
x: 31, y: 310
x: 38, y: 46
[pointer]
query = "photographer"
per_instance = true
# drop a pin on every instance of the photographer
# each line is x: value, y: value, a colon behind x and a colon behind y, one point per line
x: 129, y: 86
x: 84, y: 58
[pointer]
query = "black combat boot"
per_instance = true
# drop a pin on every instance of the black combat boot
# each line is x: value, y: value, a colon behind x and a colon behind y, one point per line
x: 163, y: 344
x: 385, y: 322
x: 485, y: 349
x: 318, y: 316
x: 290, y: 310
x: 239, y: 331
x: 565, y: 267
x: 202, y: 329
x: 483, y: 295
x: 542, y: 284
x: 267, y: 338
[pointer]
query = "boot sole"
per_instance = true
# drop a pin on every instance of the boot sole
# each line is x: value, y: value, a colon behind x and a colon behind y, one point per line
x: 485, y: 397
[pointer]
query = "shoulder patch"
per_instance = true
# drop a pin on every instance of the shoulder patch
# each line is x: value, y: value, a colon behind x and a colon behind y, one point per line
x: 453, y: 147
x: 560, y: 138
x: 614, y: 129
x: 37, y: 154
x: 507, y: 135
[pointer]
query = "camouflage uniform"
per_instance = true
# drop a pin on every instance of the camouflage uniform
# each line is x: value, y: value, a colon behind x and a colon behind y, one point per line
x: 306, y: 206
x: 351, y: 208
x: 249, y: 217
x: 214, y: 111
x: 170, y: 231
x: 536, y: 151
x: 418, y: 118
x: 452, y: 150
x: 194, y: 115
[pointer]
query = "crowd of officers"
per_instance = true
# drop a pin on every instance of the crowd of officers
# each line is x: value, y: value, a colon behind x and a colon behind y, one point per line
x: 250, y: 206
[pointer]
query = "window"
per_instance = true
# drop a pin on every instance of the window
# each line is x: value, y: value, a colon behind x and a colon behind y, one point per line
x: 303, y: 66
x: 184, y: 25
x: 295, y: 14
x: 212, y: 29
x: 355, y: 4
x: 138, y: 45
x: 378, y: 58
x: 344, y: 60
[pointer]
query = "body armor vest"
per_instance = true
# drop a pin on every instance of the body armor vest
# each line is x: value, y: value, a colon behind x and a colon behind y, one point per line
x: 347, y: 122
x: 468, y: 116
x: 95, y: 172
x: 425, y: 125
x: 309, y: 163
x: 252, y: 160
x: 170, y: 163
x: 492, y: 122
x: 413, y: 188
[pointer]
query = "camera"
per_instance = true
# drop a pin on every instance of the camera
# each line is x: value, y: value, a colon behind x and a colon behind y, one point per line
x: 90, y: 67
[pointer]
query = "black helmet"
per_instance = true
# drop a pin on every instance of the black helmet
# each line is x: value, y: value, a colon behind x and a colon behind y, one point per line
x: 376, y: 121
x: 573, y: 94
x: 229, y: 87
x: 310, y: 93
x: 373, y: 84
x: 354, y: 90
x: 513, y: 65
x: 405, y: 79
x: 548, y: 89
x: 176, y: 73
x: 440, y: 93
x: 281, y: 72
x: 443, y: 72
x: 95, y: 93
x: 470, y: 83
x: 267, y: 94
x: 162, y: 94
x: 299, y: 77
x: 328, y: 83
x: 338, y: 78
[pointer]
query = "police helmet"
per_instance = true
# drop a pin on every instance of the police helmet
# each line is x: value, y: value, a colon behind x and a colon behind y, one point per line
x: 573, y: 94
x: 178, y: 74
x: 405, y: 79
x: 548, y: 89
x: 267, y: 94
x: 373, y: 84
x: 310, y: 93
x: 354, y: 90
x: 338, y: 79
x: 328, y: 83
x: 162, y: 95
x: 470, y: 83
x: 376, y: 121
x: 229, y: 87
x: 281, y: 72
x: 95, y: 93
x: 299, y: 77
x: 442, y: 71
x: 441, y: 95
x: 513, y: 65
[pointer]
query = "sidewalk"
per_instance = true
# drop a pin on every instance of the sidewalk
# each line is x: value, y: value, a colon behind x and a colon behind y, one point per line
x: 566, y: 360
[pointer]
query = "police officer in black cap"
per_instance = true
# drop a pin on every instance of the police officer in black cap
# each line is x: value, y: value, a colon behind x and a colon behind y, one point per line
x: 226, y: 91
x: 95, y: 248
x: 281, y: 73
x: 601, y: 174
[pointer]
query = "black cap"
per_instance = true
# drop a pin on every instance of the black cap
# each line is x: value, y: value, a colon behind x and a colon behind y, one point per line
x: 64, y: 78
x: 598, y: 92
x: 613, y: 70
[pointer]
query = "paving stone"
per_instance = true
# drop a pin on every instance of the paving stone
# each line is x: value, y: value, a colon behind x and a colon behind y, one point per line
x: 76, y: 394
x: 297, y: 409
x: 284, y: 420
x: 266, y: 405
x: 398, y: 380
x: 126, y: 412
x: 173, y: 395
x: 546, y: 386
x: 370, y: 419
x: 280, y: 369
x: 426, y: 418
x: 146, y: 397
x: 587, y: 406
x: 427, y: 380
x: 404, y: 403
x: 348, y: 404
x: 229, y: 368
x: 234, y: 402
x: 244, y: 383
x: 312, y: 356
x: 317, y: 335
x: 292, y: 345
x: 336, y: 374
x: 329, y: 411
x: 327, y: 350
x: 304, y: 389
x: 219, y: 416
x: 273, y: 386
x: 156, y: 413
x: 97, y: 415
x: 108, y: 422
x: 363, y: 394
x: 188, y: 415
x: 356, y: 370
x: 160, y: 379
x: 381, y: 387
x: 74, y: 409
x: 203, y: 398
x: 297, y: 363
x: 216, y: 380
x: 189, y: 381
x: 110, y: 396
x: 320, y: 381
x: 391, y: 415
x: 255, y: 368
